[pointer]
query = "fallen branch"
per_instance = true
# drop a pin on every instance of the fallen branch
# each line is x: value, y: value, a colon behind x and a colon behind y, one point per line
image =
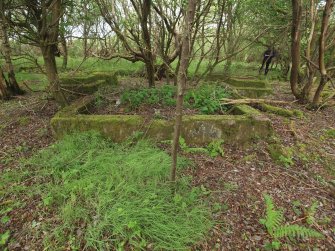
x: 73, y: 92
x: 28, y: 87
x: 227, y: 101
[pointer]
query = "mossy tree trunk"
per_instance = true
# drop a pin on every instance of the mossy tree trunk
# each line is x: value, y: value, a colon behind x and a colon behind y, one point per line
x: 48, y: 32
x: 4, y: 94
x: 13, y: 87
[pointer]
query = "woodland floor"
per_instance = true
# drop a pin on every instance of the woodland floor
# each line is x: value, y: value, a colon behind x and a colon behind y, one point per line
x: 237, y: 181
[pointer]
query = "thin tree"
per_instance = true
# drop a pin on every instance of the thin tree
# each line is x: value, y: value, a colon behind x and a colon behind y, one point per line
x: 182, y: 79
x: 295, y: 46
x: 322, y: 48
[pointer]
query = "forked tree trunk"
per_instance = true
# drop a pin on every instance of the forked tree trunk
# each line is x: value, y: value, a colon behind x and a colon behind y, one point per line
x: 322, y: 44
x: 49, y: 29
x: 295, y: 46
x: 182, y: 78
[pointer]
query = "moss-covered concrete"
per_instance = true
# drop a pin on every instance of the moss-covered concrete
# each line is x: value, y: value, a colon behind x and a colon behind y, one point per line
x: 244, y: 110
x: 88, y: 83
x: 251, y: 92
x: 250, y: 87
x: 248, y: 83
x: 109, y: 78
x: 196, y: 130
x: 281, y: 111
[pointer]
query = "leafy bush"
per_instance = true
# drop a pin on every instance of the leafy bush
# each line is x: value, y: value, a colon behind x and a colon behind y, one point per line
x: 274, y: 223
x: 105, y: 196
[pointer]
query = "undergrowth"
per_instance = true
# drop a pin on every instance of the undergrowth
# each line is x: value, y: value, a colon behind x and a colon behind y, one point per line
x: 205, y: 98
x: 105, y: 196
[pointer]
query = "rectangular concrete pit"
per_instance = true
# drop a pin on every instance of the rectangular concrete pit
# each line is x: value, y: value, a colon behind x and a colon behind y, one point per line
x: 250, y: 87
x: 197, y: 130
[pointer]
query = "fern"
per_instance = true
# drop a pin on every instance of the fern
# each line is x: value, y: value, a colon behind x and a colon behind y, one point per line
x: 274, y: 218
x: 274, y: 223
x: 215, y: 148
x: 295, y: 231
x: 310, y: 212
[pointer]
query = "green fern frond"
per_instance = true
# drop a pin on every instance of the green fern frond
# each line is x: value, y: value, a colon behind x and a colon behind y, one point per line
x: 311, y: 211
x: 295, y: 231
x: 274, y: 218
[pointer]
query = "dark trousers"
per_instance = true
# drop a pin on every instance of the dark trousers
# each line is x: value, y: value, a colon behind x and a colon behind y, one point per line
x: 266, y: 62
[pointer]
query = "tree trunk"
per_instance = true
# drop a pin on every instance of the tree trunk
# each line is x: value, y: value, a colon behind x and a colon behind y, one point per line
x: 12, y: 84
x: 295, y: 46
x: 149, y: 65
x: 49, y: 30
x: 4, y: 94
x: 322, y: 44
x: 229, y: 47
x: 306, y: 91
x: 182, y: 78
x: 52, y: 75
x: 64, y: 49
x: 149, y: 60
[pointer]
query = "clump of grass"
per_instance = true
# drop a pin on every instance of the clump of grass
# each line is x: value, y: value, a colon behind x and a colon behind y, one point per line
x: 106, y: 196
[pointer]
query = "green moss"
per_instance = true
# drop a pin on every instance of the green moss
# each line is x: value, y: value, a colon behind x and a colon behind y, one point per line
x: 281, y: 111
x: 88, y: 78
x: 87, y: 84
x: 244, y: 110
x: 23, y: 121
x: 197, y: 129
x: 330, y: 133
x: 247, y: 83
x: 79, y: 106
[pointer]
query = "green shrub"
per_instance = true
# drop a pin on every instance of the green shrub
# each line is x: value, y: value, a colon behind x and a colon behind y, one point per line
x: 115, y: 196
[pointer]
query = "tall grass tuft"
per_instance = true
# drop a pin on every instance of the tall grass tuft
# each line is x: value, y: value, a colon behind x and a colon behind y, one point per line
x: 106, y: 196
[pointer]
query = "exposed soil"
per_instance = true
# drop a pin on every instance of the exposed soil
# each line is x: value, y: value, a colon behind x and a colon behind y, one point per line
x: 237, y: 181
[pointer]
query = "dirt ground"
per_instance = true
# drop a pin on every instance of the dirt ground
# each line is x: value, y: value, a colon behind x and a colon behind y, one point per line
x: 237, y: 180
